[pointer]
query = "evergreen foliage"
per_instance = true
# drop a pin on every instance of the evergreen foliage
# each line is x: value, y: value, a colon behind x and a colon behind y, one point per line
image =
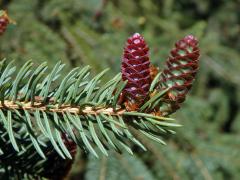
x: 35, y: 111
x: 93, y: 32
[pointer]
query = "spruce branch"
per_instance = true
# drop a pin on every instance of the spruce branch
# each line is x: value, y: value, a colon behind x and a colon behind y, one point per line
x: 27, y: 164
x: 46, y: 116
x: 77, y: 106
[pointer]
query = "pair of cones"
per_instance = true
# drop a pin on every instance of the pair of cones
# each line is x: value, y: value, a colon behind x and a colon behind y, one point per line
x: 177, y: 76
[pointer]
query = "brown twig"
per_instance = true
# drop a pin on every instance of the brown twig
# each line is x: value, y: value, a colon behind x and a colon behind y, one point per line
x: 60, y: 109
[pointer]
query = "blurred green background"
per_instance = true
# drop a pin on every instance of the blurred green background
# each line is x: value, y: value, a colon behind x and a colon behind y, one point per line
x: 93, y: 32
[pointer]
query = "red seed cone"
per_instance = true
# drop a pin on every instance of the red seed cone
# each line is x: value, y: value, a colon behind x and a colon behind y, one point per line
x: 70, y: 144
x: 136, y: 69
x: 58, y: 168
x: 4, y: 21
x: 181, y: 68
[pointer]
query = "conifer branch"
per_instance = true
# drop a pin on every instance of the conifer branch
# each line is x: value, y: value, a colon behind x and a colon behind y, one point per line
x: 78, y: 106
x: 43, y: 120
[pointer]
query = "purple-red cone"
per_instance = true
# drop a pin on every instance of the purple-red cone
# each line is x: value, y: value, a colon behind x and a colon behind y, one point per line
x: 70, y: 144
x: 58, y: 168
x: 4, y: 21
x: 179, y: 73
x: 136, y: 69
